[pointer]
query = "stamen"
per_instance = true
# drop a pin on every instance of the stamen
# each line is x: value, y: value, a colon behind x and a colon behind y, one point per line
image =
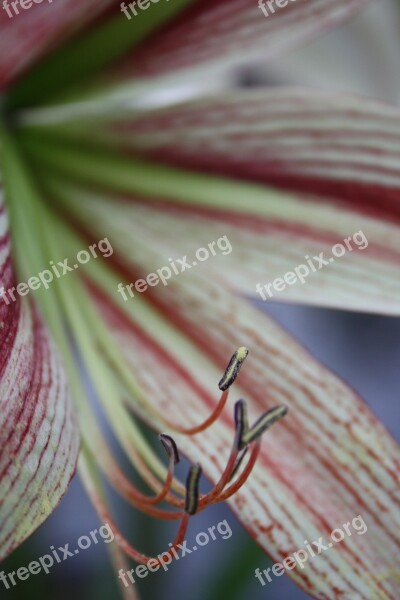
x: 91, y: 484
x: 224, y: 479
x: 192, y: 490
x: 241, y: 422
x: 241, y: 480
x: 233, y: 368
x: 170, y: 447
x: 139, y: 556
x: 105, y: 460
x: 128, y: 490
x: 228, y: 378
x: 209, y: 421
x: 243, y: 437
x: 263, y: 423
x: 239, y: 461
x: 172, y: 451
x: 152, y: 480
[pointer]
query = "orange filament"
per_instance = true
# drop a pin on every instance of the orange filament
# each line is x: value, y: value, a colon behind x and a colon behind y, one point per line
x: 241, y: 480
x: 187, y: 501
x: 229, y: 376
x: 141, y: 558
x: 224, y: 480
x: 208, y: 422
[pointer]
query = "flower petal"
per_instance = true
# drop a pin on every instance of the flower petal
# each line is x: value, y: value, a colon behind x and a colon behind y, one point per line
x: 200, y: 44
x: 272, y: 232
x: 328, y: 462
x: 232, y: 32
x: 343, y: 147
x: 28, y: 35
x: 254, y: 250
x: 38, y: 434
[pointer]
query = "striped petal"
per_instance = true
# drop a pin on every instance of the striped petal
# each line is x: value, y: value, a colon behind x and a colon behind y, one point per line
x: 274, y: 234
x: 29, y: 33
x: 343, y: 147
x: 254, y: 255
x: 38, y: 434
x: 330, y: 461
x: 199, y: 46
x: 231, y: 32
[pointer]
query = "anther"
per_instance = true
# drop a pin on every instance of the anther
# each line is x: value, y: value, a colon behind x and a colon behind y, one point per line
x: 263, y: 423
x: 170, y: 447
x: 241, y: 422
x: 233, y: 368
x: 192, y: 489
x: 239, y: 462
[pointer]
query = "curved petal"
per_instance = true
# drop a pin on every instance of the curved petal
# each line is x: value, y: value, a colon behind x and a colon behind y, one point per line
x: 199, y: 45
x: 252, y: 252
x: 329, y: 462
x: 231, y: 32
x: 273, y: 233
x: 39, y: 437
x: 28, y: 34
x: 343, y: 147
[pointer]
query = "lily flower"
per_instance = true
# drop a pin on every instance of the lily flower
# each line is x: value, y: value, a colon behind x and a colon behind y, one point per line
x: 265, y: 181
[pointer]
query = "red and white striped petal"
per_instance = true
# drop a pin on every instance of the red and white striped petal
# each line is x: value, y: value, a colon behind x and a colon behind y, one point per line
x: 328, y: 461
x: 194, y: 53
x: 39, y: 437
x: 343, y: 147
x: 26, y: 36
x: 231, y: 32
x: 283, y: 138
x: 266, y: 235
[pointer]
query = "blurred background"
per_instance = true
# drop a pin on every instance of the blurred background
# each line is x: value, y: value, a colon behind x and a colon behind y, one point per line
x: 363, y: 57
